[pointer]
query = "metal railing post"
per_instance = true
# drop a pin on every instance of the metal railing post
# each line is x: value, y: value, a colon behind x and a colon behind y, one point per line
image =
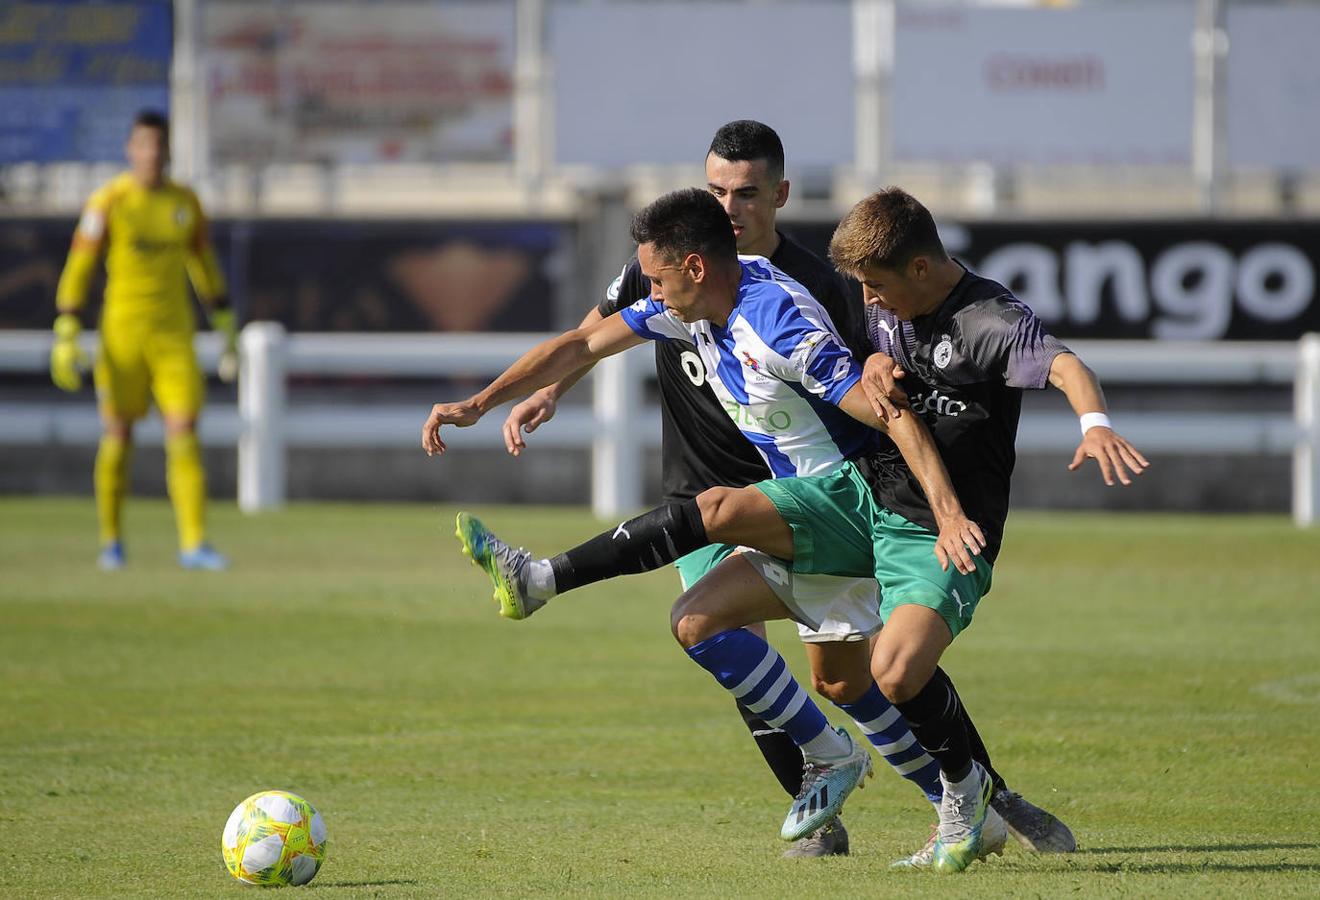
x: 1306, y: 452
x: 261, y: 402
x: 616, y: 451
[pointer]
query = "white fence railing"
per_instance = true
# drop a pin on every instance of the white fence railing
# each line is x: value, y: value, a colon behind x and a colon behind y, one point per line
x: 620, y: 427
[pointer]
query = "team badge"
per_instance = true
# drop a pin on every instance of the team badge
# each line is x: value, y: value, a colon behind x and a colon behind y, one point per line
x: 943, y: 352
x: 750, y: 362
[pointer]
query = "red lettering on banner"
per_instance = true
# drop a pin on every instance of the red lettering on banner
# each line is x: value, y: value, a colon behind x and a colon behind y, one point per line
x: 1016, y: 72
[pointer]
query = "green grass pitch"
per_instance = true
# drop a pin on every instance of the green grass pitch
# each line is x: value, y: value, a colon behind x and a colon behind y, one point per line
x: 1155, y: 680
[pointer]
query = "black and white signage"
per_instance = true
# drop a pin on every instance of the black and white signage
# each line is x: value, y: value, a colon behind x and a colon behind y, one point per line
x: 1188, y: 280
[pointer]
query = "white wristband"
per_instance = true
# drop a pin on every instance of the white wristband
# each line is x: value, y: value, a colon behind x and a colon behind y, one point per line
x: 1092, y: 420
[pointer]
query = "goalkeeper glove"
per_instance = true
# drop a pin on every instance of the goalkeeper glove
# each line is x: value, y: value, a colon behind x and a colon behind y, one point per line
x: 68, y: 361
x: 224, y: 322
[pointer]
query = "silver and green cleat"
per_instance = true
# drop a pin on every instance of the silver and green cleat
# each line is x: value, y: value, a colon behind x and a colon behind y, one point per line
x: 506, y: 567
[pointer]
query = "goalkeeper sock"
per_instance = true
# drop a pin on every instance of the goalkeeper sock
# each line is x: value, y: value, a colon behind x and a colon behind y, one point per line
x: 651, y: 540
x: 110, y: 478
x: 885, y: 727
x: 186, y: 482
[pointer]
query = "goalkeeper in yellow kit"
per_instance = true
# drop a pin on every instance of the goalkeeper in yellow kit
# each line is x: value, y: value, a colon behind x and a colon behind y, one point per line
x: 151, y: 232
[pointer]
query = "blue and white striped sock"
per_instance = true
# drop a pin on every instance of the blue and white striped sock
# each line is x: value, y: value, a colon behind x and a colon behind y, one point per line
x: 885, y: 727
x: 750, y: 669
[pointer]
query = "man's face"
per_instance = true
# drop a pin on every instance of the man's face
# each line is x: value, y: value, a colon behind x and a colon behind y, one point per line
x: 750, y: 196
x: 897, y: 291
x: 673, y: 282
x: 147, y: 153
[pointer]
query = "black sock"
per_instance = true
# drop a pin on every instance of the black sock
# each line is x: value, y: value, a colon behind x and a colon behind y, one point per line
x: 935, y: 717
x: 651, y: 540
x: 781, y: 754
x: 974, y: 742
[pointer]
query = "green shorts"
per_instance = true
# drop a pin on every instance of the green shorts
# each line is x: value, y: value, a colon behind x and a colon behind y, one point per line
x: 839, y: 529
x: 693, y: 567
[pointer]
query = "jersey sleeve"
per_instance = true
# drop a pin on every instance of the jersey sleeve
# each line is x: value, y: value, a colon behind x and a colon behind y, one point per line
x: 626, y: 289
x: 846, y: 309
x: 649, y: 319
x: 1006, y: 339
x: 203, y: 267
x: 88, y: 240
x: 808, y: 353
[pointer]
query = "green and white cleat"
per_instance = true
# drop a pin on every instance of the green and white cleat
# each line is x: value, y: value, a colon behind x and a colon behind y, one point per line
x: 506, y: 566
x: 923, y: 857
x: 825, y: 787
x: 969, y: 828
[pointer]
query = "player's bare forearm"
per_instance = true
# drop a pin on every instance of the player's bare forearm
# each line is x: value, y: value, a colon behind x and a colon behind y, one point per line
x: 1078, y: 383
x: 1115, y: 456
x: 565, y: 384
x: 959, y: 537
x: 543, y: 365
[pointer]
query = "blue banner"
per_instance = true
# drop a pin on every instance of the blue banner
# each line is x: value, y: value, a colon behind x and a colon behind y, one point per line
x: 73, y: 74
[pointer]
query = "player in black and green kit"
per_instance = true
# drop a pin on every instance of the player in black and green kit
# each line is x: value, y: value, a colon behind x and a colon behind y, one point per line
x: 702, y: 448
x: 963, y: 348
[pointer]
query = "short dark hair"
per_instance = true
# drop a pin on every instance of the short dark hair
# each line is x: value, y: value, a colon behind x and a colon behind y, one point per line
x: 150, y: 118
x: 886, y: 229
x: 747, y: 139
x: 686, y: 221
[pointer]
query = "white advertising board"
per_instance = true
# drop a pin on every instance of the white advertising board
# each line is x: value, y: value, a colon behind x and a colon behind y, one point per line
x: 359, y: 82
x: 651, y: 82
x: 1273, y: 86
x: 1076, y: 86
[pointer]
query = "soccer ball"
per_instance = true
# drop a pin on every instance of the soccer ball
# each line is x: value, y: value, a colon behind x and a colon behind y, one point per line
x: 274, y: 838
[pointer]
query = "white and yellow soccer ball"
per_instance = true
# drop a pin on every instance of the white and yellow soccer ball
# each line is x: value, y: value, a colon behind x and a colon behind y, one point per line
x: 274, y: 838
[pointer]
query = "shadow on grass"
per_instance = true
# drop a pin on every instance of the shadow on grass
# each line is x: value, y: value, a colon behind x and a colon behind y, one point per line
x: 1193, y: 868
x: 1196, y: 848
x: 384, y: 882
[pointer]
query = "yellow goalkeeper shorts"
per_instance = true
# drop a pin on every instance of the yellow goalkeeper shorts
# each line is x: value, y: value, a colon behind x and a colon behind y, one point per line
x: 137, y: 363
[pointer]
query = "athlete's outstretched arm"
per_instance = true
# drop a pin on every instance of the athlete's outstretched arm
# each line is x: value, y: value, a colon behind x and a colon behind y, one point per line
x: 544, y: 364
x: 539, y: 408
x: 1100, y: 442
x: 960, y: 538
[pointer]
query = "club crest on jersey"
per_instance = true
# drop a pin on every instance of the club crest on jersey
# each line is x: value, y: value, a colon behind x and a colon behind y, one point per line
x: 750, y: 362
x: 943, y: 352
x: 181, y: 216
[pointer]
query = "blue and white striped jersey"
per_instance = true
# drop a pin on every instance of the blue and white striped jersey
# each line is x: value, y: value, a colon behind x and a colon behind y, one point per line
x: 780, y: 369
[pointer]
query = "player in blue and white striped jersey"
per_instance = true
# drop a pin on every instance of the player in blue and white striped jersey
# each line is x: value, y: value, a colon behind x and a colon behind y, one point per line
x: 779, y: 368
x: 732, y: 310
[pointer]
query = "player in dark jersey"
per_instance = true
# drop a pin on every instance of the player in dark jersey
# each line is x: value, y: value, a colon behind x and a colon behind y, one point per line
x: 703, y: 448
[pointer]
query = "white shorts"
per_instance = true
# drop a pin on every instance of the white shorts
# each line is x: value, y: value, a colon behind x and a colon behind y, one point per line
x: 826, y: 607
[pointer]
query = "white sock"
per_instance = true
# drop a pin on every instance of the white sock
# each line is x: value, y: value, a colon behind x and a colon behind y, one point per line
x: 970, y: 783
x: 540, y: 580
x: 827, y: 747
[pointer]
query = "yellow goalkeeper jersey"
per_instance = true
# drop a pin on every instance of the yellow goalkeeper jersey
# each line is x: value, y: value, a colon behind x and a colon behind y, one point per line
x: 151, y: 237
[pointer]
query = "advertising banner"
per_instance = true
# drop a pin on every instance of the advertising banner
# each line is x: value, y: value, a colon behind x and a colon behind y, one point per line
x: 318, y: 275
x: 1188, y: 280
x: 73, y: 75
x: 1085, y: 85
x: 360, y: 82
x: 647, y: 83
x: 1273, y: 86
